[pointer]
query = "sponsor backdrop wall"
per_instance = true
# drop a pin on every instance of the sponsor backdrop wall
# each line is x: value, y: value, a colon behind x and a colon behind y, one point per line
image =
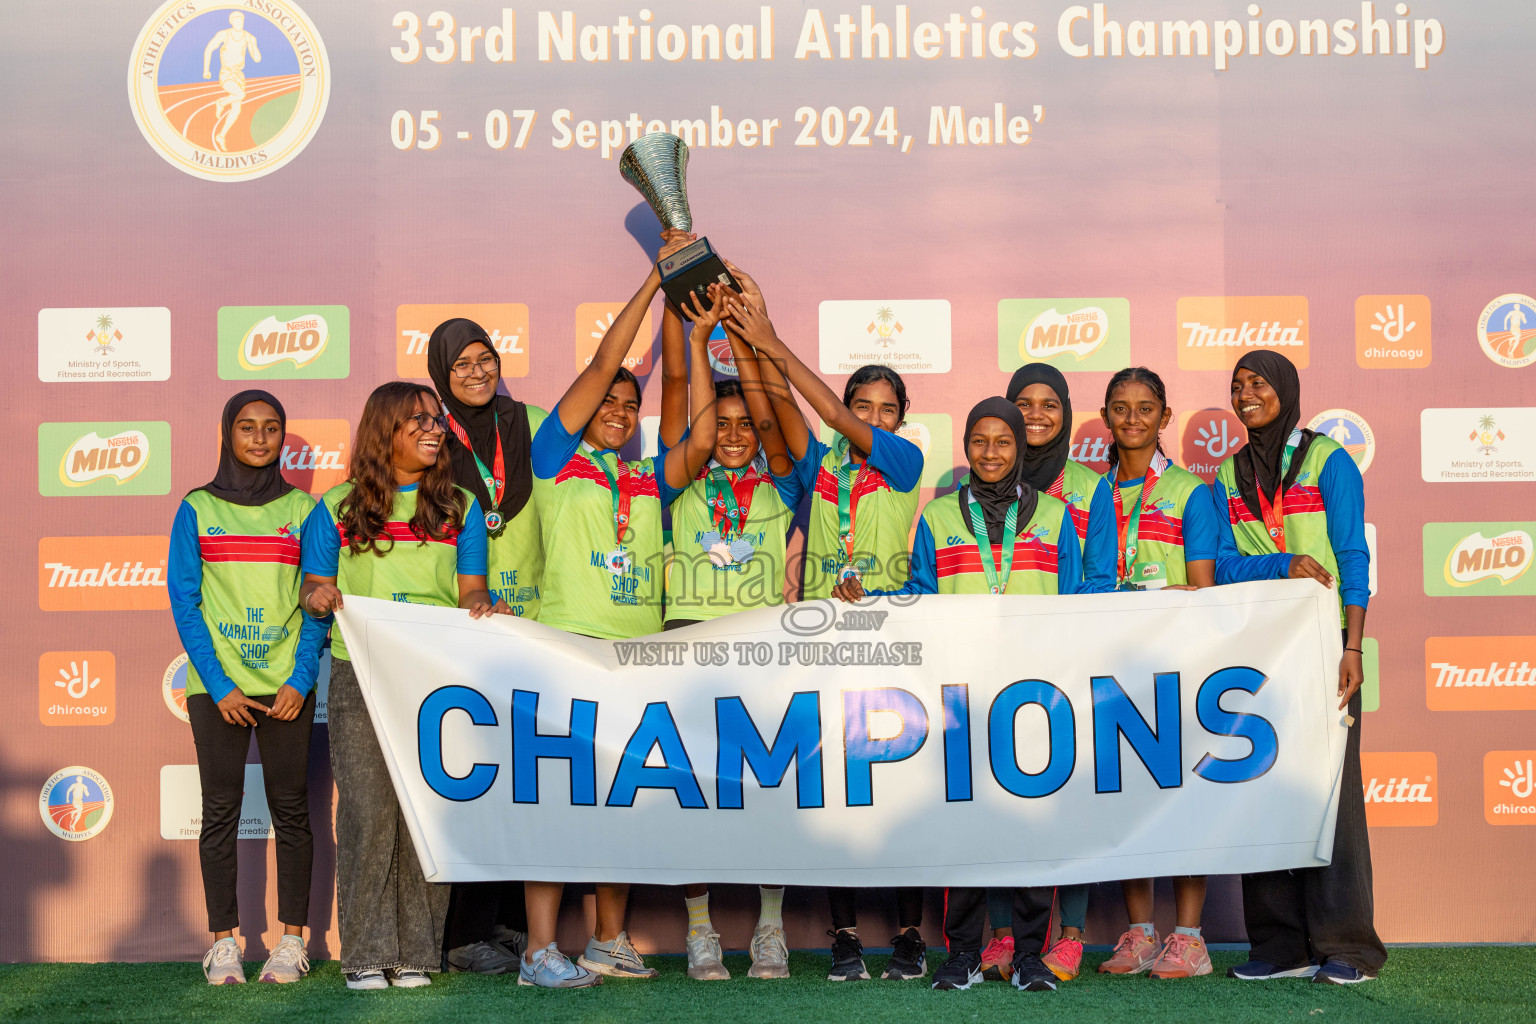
x: 204, y: 196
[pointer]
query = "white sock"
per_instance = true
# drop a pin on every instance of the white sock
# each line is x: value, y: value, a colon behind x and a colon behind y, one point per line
x: 698, y: 913
x: 1145, y: 927
x: 1188, y: 931
x: 771, y: 913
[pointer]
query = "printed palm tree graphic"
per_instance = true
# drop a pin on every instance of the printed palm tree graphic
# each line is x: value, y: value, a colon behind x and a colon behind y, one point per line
x: 885, y: 325
x: 1486, y: 434
x: 104, y: 323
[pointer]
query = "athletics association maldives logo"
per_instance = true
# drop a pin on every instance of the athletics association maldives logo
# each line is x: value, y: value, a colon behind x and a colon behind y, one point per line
x: 1350, y: 431
x: 229, y: 91
x: 721, y: 359
x: 76, y: 803
x: 173, y: 687
x: 1507, y: 330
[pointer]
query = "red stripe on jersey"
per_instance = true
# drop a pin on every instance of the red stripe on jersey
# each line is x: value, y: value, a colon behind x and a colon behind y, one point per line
x: 1027, y: 555
x: 826, y: 484
x: 241, y: 548
x: 402, y: 533
x: 582, y: 468
x: 1160, y: 527
x: 1298, y: 501
x: 1079, y: 521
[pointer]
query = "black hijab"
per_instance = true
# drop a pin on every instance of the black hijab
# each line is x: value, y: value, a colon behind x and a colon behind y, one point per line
x: 239, y: 483
x: 1266, y: 445
x: 1044, y: 464
x: 481, y: 422
x: 994, y: 498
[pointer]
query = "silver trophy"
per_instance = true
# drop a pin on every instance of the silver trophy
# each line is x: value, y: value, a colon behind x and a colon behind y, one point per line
x: 657, y: 166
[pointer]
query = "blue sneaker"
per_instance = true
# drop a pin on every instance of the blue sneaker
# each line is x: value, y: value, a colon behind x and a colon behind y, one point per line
x: 616, y: 958
x: 548, y: 968
x: 1263, y: 970
x: 1336, y: 972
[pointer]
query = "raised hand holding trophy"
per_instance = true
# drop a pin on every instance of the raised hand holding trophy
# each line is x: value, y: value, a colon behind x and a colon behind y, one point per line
x: 657, y: 166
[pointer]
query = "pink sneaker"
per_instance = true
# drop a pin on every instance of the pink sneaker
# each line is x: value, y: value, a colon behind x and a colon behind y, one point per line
x: 1134, y: 953
x: 1065, y: 958
x: 997, y: 959
x: 1183, y: 956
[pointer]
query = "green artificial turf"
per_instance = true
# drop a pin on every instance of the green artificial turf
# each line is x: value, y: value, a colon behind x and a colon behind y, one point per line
x: 1485, y: 983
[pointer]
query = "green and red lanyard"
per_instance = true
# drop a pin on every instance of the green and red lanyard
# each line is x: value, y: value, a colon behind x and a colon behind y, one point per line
x: 997, y: 574
x: 1274, y: 511
x: 1130, y: 525
x: 848, y: 506
x: 495, y: 479
x: 728, y: 506
x: 620, y: 488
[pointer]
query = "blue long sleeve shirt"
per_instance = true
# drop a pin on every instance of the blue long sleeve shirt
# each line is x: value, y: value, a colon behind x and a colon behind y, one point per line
x: 184, y: 585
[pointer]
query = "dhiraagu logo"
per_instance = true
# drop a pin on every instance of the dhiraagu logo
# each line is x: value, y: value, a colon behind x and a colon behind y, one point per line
x: 1070, y: 334
x: 1478, y: 559
x: 284, y: 342
x: 96, y: 459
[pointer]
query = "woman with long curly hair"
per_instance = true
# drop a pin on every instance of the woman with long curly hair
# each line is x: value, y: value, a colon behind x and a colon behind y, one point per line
x: 398, y: 529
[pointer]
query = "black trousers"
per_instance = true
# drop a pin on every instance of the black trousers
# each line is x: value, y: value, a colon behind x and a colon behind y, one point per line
x: 221, y: 750
x: 476, y: 908
x: 845, y: 911
x: 1324, y: 913
x: 965, y: 918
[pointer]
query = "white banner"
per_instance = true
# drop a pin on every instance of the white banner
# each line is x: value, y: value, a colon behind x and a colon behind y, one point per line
x: 936, y: 741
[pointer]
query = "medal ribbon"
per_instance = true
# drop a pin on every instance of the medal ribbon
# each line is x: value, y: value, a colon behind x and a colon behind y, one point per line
x: 1130, y: 525
x: 495, y: 479
x: 847, y: 506
x: 997, y: 576
x: 730, y: 501
x: 619, y: 488
x: 1274, y: 512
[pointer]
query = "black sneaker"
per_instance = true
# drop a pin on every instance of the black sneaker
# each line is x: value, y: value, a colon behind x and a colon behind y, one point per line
x: 908, y: 957
x: 510, y: 939
x: 960, y: 971
x: 488, y: 957
x: 1031, y: 975
x: 847, y: 957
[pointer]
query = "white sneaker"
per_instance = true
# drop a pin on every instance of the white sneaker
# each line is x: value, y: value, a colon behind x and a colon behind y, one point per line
x: 401, y: 978
x: 288, y: 963
x: 704, y: 957
x: 221, y: 964
x: 363, y: 981
x: 615, y: 959
x: 770, y: 953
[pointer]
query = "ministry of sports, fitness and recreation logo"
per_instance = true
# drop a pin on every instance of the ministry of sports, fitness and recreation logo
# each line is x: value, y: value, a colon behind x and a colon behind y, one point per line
x: 1507, y: 330
x: 76, y: 803
x: 1070, y: 334
x: 229, y: 91
x: 1478, y: 444
x: 908, y: 335
x: 173, y: 687
x: 1351, y: 431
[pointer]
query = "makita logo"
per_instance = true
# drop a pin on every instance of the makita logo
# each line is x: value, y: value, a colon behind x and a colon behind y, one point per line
x: 126, y: 574
x: 93, y: 457
x: 1398, y: 791
x: 299, y: 341
x: 1080, y: 332
x: 504, y: 344
x: 1494, y: 675
x: 1090, y: 449
x: 311, y: 458
x: 1268, y: 334
x: 1505, y: 557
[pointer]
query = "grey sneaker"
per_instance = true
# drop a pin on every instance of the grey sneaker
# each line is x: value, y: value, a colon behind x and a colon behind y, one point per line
x: 510, y: 939
x: 363, y: 981
x: 548, y: 968
x: 616, y: 959
x: 482, y: 958
x: 704, y: 957
x: 288, y: 963
x: 221, y: 964
x: 770, y: 953
x: 403, y: 978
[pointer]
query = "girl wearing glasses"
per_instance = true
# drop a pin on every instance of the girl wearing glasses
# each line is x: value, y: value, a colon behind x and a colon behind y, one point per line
x: 600, y: 516
x: 399, y: 529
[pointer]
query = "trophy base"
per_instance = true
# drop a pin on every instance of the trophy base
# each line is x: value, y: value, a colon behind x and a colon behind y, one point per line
x: 690, y: 271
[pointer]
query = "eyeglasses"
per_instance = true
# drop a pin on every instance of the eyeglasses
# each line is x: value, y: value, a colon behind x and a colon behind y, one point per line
x: 425, y: 421
x: 485, y: 364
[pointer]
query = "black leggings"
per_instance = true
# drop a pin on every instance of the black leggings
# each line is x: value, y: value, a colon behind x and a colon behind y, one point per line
x: 221, y: 751
x: 845, y: 913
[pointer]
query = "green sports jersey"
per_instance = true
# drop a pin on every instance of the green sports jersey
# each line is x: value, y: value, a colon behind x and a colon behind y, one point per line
x: 1305, y: 518
x: 250, y: 587
x: 882, y: 515
x: 1075, y: 485
x: 516, y: 554
x: 1160, y: 532
x: 957, y: 558
x: 591, y: 585
x: 412, y: 570
x: 711, y: 572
